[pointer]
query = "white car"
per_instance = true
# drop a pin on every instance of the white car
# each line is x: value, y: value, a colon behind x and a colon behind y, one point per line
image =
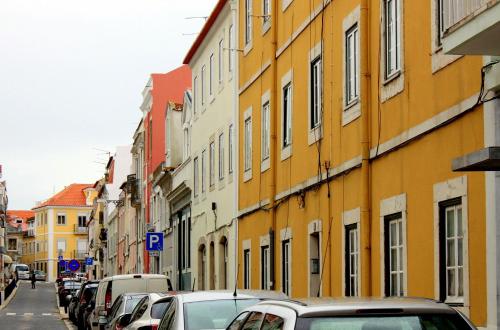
x: 210, y: 309
x: 148, y: 312
x: 349, y: 313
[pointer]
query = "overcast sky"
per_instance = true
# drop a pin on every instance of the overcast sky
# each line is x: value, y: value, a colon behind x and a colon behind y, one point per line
x: 71, y: 77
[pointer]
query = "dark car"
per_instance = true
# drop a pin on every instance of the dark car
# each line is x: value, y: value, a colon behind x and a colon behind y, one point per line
x: 86, y: 312
x: 66, y: 289
x: 124, y: 304
x: 86, y: 293
x: 72, y: 305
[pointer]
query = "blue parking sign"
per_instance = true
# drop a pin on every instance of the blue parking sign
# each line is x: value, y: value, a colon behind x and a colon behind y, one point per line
x: 89, y: 261
x: 154, y: 241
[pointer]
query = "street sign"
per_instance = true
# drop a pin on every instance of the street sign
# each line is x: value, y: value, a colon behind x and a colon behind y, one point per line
x: 154, y: 241
x: 89, y: 261
x: 62, y: 263
x: 60, y: 258
x: 73, y: 265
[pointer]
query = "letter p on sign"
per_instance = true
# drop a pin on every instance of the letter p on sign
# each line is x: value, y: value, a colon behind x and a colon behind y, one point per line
x: 154, y: 241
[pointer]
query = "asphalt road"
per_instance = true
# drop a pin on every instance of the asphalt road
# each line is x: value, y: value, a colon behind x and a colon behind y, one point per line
x: 32, y: 309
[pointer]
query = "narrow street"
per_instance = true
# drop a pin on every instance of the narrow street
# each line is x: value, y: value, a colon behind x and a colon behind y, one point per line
x: 32, y: 309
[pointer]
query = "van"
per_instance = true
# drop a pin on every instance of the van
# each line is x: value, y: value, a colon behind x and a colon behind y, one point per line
x: 21, y: 271
x: 111, y: 287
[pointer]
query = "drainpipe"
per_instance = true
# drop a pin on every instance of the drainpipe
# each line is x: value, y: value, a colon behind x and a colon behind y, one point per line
x: 273, y: 145
x: 365, y: 222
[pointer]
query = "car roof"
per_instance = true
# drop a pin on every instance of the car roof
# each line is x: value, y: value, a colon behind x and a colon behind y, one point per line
x: 130, y: 276
x: 228, y: 295
x: 310, y: 307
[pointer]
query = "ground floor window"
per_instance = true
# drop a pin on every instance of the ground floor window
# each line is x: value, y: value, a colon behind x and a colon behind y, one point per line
x: 264, y: 267
x: 394, y: 255
x: 351, y: 260
x: 286, y: 266
x: 246, y: 269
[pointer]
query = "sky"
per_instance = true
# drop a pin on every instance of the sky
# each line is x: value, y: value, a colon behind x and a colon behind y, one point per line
x: 71, y: 77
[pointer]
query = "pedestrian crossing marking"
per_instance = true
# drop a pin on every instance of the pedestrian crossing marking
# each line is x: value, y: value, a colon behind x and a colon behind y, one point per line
x: 11, y: 314
x: 46, y: 314
x: 28, y: 314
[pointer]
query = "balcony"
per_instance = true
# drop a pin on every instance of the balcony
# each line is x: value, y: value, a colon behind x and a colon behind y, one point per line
x: 471, y: 27
x: 79, y: 254
x: 29, y: 233
x: 79, y: 230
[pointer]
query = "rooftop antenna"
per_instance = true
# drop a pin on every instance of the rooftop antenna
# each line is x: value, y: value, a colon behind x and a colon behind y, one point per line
x: 235, y: 293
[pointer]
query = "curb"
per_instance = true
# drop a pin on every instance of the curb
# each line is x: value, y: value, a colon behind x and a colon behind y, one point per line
x: 7, y: 301
x: 63, y: 315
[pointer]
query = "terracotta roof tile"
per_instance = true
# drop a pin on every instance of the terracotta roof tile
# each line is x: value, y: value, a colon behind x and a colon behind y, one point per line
x: 23, y: 214
x: 72, y: 195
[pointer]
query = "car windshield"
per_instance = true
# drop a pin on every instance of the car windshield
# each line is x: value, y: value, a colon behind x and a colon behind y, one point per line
x: 417, y: 322
x: 131, y: 303
x: 215, y: 314
x: 158, y: 309
x: 72, y: 285
x: 22, y: 268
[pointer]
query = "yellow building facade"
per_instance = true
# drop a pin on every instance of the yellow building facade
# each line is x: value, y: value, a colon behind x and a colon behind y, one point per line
x: 349, y: 118
x: 61, y: 229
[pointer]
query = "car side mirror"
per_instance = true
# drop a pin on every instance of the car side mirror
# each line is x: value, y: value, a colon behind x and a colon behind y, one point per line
x: 124, y: 320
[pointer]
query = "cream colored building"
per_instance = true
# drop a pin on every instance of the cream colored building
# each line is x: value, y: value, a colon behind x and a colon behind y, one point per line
x: 213, y: 211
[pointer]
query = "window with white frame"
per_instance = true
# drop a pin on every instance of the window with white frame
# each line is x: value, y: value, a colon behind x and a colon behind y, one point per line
x: 248, y: 22
x: 394, y: 255
x: 211, y: 76
x: 203, y: 170
x: 186, y: 143
x: 61, y: 219
x: 452, y: 251
x: 266, y: 135
x: 246, y: 269
x: 221, y: 156
x: 221, y: 62
x: 316, y: 92
x: 266, y: 12
x: 195, y: 94
x: 351, y: 65
x: 82, y: 221
x: 203, y: 91
x: 264, y: 268
x: 286, y: 266
x: 392, y: 27
x: 195, y: 176
x: 439, y: 22
x: 287, y: 115
x: 212, y: 163
x: 351, y: 260
x: 61, y: 245
x: 230, y: 148
x: 248, y: 143
x: 230, y: 48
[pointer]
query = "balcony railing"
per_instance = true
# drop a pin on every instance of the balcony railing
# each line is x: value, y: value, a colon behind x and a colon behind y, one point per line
x: 79, y: 254
x: 29, y: 233
x: 81, y: 230
x: 455, y: 11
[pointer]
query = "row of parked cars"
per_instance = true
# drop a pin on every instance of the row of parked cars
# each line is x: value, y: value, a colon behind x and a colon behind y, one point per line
x: 147, y: 302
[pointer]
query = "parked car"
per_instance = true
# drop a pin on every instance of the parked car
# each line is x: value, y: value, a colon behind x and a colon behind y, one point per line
x: 21, y: 271
x: 87, y: 291
x: 111, y: 287
x: 347, y: 313
x: 123, y: 305
x: 210, y: 309
x: 148, y: 312
x: 72, y: 305
x: 87, y: 314
x: 40, y: 275
x: 68, y: 288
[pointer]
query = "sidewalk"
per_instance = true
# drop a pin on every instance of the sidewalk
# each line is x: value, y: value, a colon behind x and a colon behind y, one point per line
x: 7, y: 301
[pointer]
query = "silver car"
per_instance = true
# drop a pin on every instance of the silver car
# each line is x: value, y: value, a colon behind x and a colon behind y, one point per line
x: 210, y: 309
x: 362, y: 314
x: 148, y: 312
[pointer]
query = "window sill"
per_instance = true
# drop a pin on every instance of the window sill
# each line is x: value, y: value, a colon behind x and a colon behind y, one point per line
x: 392, y: 77
x: 247, y: 175
x: 211, y: 188
x: 247, y: 49
x: 266, y: 27
x: 286, y: 152
x: 222, y: 184
x: 440, y: 60
x: 285, y: 4
x: 351, y: 112
x: 315, y: 134
x: 392, y: 86
x: 212, y: 99
x: 265, y: 164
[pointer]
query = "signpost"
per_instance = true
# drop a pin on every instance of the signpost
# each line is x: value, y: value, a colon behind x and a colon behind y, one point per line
x: 154, y: 241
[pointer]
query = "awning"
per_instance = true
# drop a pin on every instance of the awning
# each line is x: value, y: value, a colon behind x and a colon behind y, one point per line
x: 7, y: 259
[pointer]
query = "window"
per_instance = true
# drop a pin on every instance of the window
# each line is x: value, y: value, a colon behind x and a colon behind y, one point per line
x: 287, y: 115
x: 248, y: 22
x: 230, y: 148
x: 451, y: 232
x: 185, y: 240
x: 248, y: 143
x: 316, y: 91
x: 221, y: 156
x: 203, y: 170
x: 394, y: 255
x: 150, y: 138
x: 264, y: 267
x: 351, y: 67
x: 212, y: 163
x: 195, y: 177
x: 273, y: 322
x: 392, y: 37
x: 82, y: 221
x: 186, y: 143
x: 211, y: 77
x: 12, y: 244
x: 221, y: 64
x: 266, y: 135
x: 440, y: 23
x: 266, y: 11
x: 253, y: 322
x: 61, y: 219
x: 351, y: 260
x: 230, y: 48
x: 286, y: 266
x: 246, y: 269
x: 195, y: 93
x: 61, y: 245
x: 203, y: 92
